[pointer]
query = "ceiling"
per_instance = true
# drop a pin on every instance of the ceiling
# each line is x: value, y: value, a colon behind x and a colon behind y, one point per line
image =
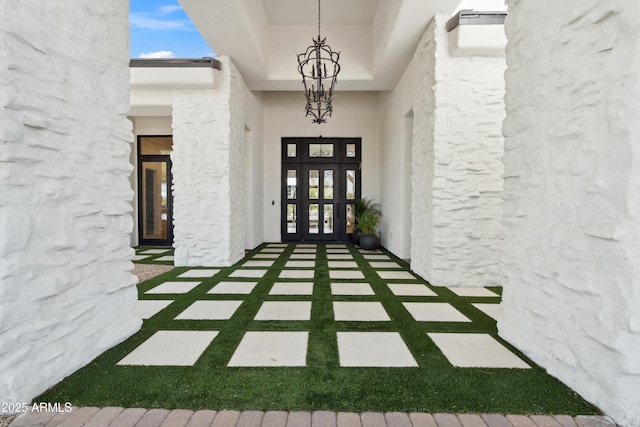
x: 376, y: 38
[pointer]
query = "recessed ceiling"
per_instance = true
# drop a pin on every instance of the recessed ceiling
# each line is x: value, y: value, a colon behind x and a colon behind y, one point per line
x: 333, y: 12
x: 376, y: 38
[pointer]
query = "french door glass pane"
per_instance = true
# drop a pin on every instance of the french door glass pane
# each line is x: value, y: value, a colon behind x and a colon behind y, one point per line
x: 328, y: 184
x: 320, y: 150
x: 351, y: 218
x: 291, y: 150
x: 291, y: 184
x: 328, y: 219
x: 292, y: 218
x: 351, y: 184
x: 156, y: 145
x: 351, y: 150
x: 154, y: 200
x: 313, y: 219
x: 313, y: 183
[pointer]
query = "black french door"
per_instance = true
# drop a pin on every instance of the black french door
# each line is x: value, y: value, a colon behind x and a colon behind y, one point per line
x: 320, y: 181
x: 320, y: 211
x: 155, y: 201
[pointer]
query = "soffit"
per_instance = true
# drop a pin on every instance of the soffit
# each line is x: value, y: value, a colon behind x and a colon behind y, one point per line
x: 376, y: 38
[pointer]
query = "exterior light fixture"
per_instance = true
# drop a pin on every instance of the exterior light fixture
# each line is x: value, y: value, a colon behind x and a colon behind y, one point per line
x: 319, y: 68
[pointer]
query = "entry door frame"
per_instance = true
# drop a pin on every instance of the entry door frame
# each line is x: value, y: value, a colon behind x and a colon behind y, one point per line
x: 296, y: 158
x: 154, y: 158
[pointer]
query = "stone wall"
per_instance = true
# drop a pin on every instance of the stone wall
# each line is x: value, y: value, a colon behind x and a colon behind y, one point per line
x: 457, y: 167
x: 208, y: 172
x: 66, y: 288
x: 572, y: 206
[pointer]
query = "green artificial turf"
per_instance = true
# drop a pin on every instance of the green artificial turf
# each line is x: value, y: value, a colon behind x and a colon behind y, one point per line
x: 434, y: 386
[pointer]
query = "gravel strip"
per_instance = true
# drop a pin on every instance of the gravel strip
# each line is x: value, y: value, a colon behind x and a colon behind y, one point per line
x: 148, y: 271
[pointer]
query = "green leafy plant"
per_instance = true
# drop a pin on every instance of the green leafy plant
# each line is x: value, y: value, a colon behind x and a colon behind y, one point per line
x: 360, y: 206
x: 368, y: 223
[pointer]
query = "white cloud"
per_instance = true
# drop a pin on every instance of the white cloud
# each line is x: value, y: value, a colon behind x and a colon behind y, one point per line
x: 142, y: 21
x: 158, y: 54
x: 169, y: 9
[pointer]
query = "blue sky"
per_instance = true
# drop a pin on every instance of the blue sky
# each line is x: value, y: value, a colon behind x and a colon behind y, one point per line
x: 161, y: 29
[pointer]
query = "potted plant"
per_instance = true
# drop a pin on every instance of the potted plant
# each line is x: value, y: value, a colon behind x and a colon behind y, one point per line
x: 367, y: 227
x: 360, y: 206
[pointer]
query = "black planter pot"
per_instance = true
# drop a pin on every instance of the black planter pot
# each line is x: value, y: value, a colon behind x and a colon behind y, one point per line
x: 369, y: 242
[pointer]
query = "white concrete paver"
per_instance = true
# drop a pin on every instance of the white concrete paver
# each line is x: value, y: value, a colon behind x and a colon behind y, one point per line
x: 410, y: 289
x: 491, y: 310
x: 271, y: 348
x: 291, y: 288
x: 351, y: 289
x: 297, y: 274
x: 199, y: 273
x: 359, y: 311
x: 284, y: 310
x: 374, y: 349
x: 468, y: 291
x: 173, y: 288
x: 434, y: 312
x: 231, y: 288
x: 476, y: 351
x: 209, y: 310
x: 170, y: 348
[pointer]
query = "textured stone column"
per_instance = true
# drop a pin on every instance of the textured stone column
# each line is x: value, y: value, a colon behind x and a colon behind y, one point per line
x: 572, y: 201
x: 66, y: 288
x: 208, y: 172
x: 456, y: 164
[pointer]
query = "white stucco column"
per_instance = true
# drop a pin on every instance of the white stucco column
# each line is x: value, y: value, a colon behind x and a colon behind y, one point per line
x: 457, y: 147
x: 66, y: 288
x: 572, y: 201
x: 208, y: 172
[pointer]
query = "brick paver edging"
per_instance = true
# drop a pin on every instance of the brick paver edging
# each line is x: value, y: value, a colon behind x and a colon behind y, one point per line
x: 121, y: 417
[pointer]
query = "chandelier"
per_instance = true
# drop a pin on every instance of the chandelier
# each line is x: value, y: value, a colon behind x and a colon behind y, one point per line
x: 319, y: 68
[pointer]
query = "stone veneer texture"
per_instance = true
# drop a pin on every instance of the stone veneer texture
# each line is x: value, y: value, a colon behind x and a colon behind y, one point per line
x: 66, y: 287
x: 457, y: 165
x: 208, y: 172
x: 572, y: 206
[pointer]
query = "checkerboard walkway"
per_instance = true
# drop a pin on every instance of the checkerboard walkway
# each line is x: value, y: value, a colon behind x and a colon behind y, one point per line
x: 294, y: 314
x: 279, y: 334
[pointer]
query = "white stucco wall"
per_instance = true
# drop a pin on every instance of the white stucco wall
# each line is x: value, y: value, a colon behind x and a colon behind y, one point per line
x: 395, y: 165
x: 572, y: 206
x: 254, y: 169
x: 152, y: 125
x: 208, y: 172
x: 456, y: 162
x: 66, y: 288
x: 356, y: 114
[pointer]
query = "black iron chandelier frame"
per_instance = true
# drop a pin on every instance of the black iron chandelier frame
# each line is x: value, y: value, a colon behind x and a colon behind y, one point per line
x: 319, y: 68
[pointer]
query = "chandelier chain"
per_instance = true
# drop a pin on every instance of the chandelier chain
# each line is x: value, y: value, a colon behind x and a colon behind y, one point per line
x: 318, y: 19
